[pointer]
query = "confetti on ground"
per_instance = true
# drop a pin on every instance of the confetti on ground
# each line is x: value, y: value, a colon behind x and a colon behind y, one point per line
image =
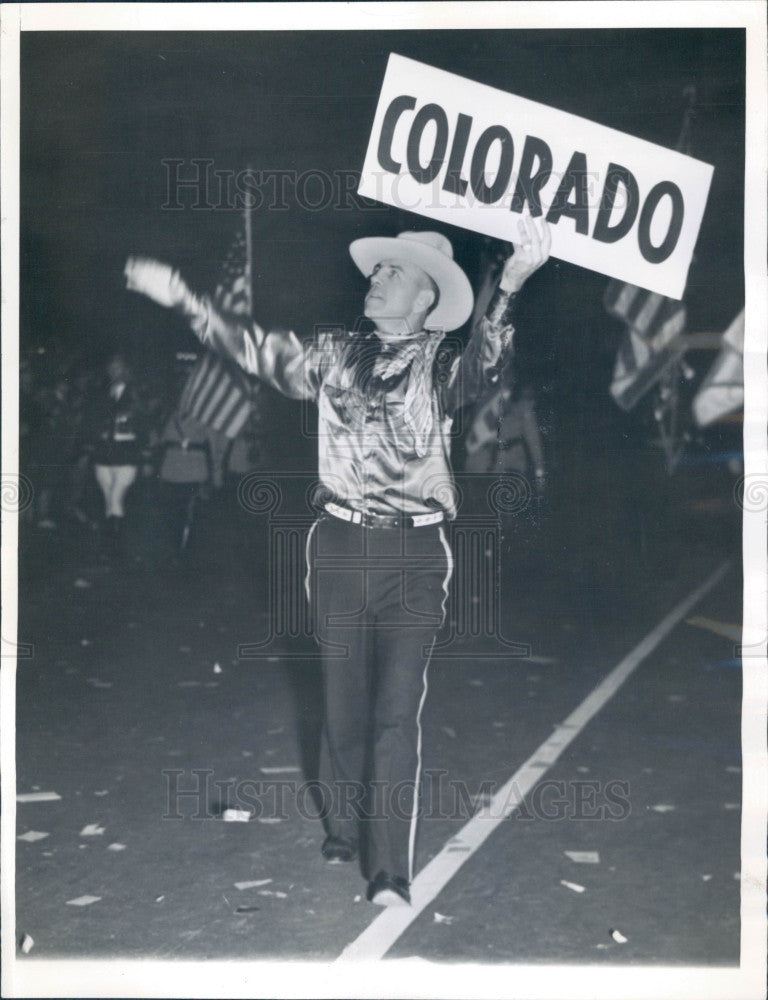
x: 95, y: 682
x: 236, y: 815
x: 211, y: 684
x: 269, y: 820
x: 731, y: 805
x: 618, y: 937
x: 274, y: 732
x: 498, y: 725
x: 160, y: 899
x: 706, y: 878
x: 273, y: 659
x: 185, y: 649
x: 253, y: 884
x: 102, y: 791
x: 82, y: 584
x: 449, y: 731
x: 83, y: 901
x: 116, y: 847
x: 85, y: 642
x: 189, y: 684
x: 217, y: 668
x: 544, y: 660
x: 676, y: 697
x: 582, y: 769
x: 732, y: 769
x: 583, y: 857
x: 725, y: 629
x: 38, y: 797
x: 572, y: 885
x: 663, y: 807
x: 92, y: 830
x: 288, y: 769
x: 476, y: 683
x: 273, y: 892
x: 247, y: 909
x: 737, y: 876
x: 247, y: 753
x: 32, y: 835
x: 441, y: 918
x: 27, y: 943
x: 357, y: 899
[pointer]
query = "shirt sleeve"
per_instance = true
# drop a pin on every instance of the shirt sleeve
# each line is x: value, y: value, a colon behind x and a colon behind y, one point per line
x: 277, y: 357
x: 489, y: 349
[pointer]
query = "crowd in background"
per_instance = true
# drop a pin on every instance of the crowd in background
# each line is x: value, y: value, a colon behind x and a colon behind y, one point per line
x: 90, y: 431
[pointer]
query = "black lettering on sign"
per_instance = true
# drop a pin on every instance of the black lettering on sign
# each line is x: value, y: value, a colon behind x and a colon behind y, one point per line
x: 391, y: 117
x: 429, y: 113
x: 530, y: 181
x: 655, y: 255
x: 615, y: 176
x: 454, y: 182
x: 574, y: 180
x: 489, y: 193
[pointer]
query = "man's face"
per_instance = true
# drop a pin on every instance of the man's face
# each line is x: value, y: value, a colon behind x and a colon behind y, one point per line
x: 396, y: 287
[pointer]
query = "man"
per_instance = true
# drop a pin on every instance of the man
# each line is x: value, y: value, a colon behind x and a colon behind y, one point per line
x: 379, y: 563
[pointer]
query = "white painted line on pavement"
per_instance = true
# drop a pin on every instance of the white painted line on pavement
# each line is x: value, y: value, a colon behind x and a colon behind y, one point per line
x: 381, y: 934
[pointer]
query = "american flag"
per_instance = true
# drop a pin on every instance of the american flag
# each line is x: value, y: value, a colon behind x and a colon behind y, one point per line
x: 651, y: 343
x: 218, y: 393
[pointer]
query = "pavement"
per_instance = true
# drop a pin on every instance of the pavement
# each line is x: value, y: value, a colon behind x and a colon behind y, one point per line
x: 138, y: 710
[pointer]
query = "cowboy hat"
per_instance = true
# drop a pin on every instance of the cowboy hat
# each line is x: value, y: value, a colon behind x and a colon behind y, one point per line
x: 433, y: 253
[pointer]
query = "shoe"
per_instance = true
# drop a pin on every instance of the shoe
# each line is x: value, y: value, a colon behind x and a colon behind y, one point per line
x: 389, y: 890
x: 339, y: 849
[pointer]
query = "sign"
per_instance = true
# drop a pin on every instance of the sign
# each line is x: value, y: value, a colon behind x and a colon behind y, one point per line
x: 468, y: 155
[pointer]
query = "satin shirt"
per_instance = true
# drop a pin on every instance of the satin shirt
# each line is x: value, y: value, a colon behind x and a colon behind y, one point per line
x: 368, y: 456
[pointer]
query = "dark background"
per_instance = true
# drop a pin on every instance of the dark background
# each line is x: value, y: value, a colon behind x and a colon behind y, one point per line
x: 101, y: 111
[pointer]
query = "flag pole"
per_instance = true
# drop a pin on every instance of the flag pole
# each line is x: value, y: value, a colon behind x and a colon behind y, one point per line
x: 248, y: 251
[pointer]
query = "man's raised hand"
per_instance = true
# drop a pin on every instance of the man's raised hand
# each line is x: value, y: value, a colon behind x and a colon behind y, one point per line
x: 159, y: 282
x: 531, y: 251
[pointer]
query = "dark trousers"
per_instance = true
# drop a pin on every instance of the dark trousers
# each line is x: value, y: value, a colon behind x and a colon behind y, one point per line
x: 377, y: 600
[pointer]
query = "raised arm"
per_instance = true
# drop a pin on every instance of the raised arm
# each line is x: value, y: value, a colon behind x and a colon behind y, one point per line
x: 490, y: 343
x: 278, y: 358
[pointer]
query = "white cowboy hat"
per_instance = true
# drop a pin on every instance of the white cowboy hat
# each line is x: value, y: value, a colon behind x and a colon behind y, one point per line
x: 433, y: 253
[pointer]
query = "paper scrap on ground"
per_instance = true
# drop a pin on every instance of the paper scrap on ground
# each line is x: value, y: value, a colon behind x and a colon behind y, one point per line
x: 101, y: 791
x: 85, y: 642
x: 288, y: 769
x: 441, y: 918
x: 572, y: 885
x: 254, y: 884
x: 83, y: 900
x: 27, y: 943
x: 82, y: 584
x: 618, y: 937
x: 116, y: 847
x: 160, y: 899
x: 95, y: 682
x: 217, y: 668
x: 583, y: 857
x: 32, y: 835
x: 731, y: 805
x: 663, y: 807
x: 38, y: 797
x: 273, y: 892
x: 706, y: 878
x: 269, y: 820
x: 724, y: 629
x: 732, y: 769
x: 236, y: 815
x: 92, y: 830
